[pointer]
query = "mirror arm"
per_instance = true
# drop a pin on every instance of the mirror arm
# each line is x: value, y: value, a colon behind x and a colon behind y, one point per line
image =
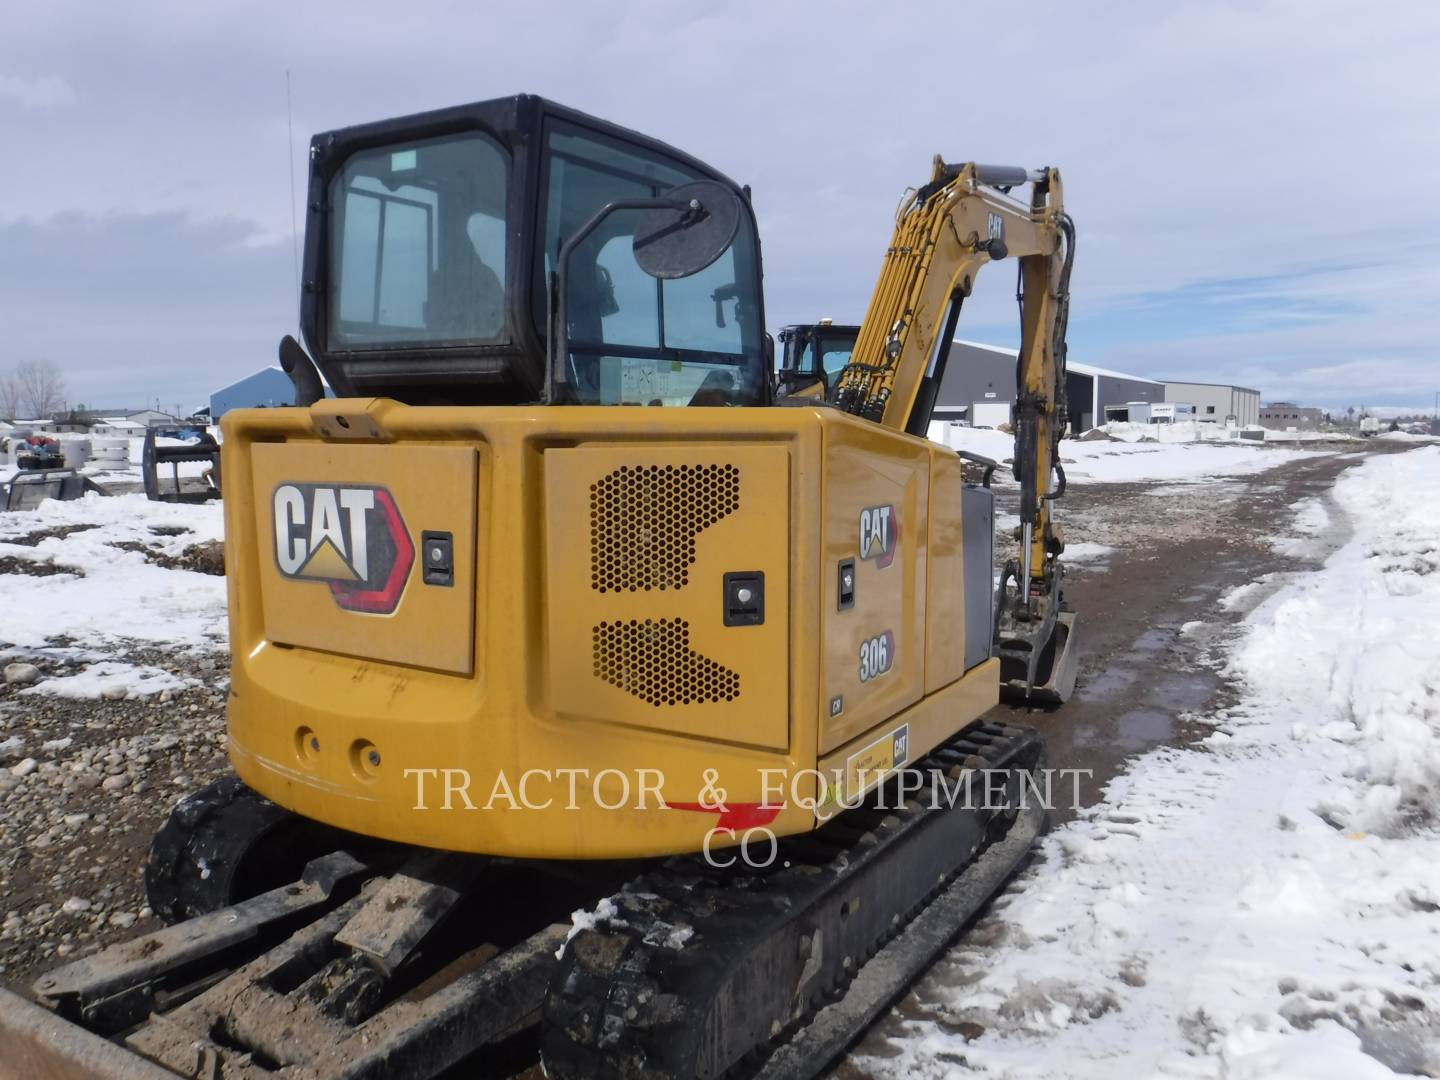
x: 556, y: 376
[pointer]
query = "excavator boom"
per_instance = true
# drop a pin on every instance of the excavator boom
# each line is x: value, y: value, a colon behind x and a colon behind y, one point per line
x: 945, y: 232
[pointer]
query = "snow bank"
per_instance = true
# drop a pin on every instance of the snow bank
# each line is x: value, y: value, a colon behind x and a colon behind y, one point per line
x: 1407, y: 436
x: 1195, y: 431
x: 1302, y: 436
x: 1264, y: 904
x: 1129, y: 462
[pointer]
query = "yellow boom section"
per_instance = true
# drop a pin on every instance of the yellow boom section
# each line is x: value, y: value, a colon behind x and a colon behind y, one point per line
x: 944, y: 233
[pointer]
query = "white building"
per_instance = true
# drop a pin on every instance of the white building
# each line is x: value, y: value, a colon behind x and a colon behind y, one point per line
x: 152, y: 418
x: 1217, y: 403
x: 118, y: 427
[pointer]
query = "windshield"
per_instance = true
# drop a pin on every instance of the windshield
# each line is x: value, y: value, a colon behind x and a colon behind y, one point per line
x: 835, y: 353
x: 634, y: 339
x: 819, y: 350
x: 417, y: 244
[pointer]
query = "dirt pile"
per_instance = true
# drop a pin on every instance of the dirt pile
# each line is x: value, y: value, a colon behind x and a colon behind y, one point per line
x: 207, y: 557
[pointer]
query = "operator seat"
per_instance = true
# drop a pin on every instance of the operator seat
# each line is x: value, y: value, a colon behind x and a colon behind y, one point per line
x: 467, y: 298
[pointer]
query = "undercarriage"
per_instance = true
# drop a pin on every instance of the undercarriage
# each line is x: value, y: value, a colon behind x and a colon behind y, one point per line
x: 385, y: 961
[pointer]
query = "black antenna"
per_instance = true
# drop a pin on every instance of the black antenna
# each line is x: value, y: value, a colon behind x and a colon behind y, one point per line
x: 294, y: 217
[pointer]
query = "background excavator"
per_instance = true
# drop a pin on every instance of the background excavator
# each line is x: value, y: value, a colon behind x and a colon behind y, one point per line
x: 559, y: 606
x: 811, y: 354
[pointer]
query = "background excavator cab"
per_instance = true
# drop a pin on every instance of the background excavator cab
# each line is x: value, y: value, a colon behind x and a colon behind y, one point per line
x: 814, y: 353
x: 432, y: 245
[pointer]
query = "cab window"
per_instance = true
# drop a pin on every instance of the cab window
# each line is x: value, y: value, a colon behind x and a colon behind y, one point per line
x: 417, y: 244
x: 635, y: 339
x: 834, y: 355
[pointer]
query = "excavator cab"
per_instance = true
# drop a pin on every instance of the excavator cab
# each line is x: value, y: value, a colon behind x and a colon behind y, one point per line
x: 432, y: 269
x: 812, y: 354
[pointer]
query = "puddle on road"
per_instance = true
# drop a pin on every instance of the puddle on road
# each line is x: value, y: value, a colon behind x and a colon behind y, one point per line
x: 1109, y: 683
x: 1132, y: 707
x: 1145, y: 727
x: 1157, y: 637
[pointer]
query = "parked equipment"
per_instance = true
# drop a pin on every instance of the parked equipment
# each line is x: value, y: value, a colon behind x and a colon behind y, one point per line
x: 557, y: 537
x: 38, y: 452
x: 27, y: 490
x: 198, y: 446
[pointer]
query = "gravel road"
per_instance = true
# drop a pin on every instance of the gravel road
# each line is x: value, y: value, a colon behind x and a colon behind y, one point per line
x: 83, y: 786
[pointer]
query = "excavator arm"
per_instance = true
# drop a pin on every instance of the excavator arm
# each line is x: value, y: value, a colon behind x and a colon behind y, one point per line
x: 945, y: 233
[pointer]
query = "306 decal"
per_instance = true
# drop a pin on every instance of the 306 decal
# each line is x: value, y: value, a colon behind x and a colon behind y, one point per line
x: 877, y: 655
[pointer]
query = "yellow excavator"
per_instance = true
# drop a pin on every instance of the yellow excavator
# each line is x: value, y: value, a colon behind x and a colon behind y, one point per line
x: 591, y: 700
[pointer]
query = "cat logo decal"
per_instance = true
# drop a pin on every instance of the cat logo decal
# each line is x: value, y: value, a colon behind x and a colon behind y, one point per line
x: 350, y: 537
x: 878, y: 528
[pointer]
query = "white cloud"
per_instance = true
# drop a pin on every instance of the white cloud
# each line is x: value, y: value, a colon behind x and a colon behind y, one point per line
x: 46, y: 92
x: 1202, y: 142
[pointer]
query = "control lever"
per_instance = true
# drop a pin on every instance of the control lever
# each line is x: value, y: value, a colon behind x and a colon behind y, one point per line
x: 720, y: 295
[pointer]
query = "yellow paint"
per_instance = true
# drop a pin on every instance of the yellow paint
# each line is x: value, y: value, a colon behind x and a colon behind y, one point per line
x: 937, y: 250
x: 435, y: 488
x: 506, y: 674
x: 945, y: 594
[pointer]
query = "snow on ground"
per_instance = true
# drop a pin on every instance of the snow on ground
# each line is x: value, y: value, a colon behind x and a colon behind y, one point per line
x: 112, y: 679
x: 1310, y: 436
x: 1120, y: 461
x: 1407, y: 436
x: 1197, y: 431
x: 1262, y: 904
x: 1312, y: 522
x: 1086, y: 552
x: 70, y: 578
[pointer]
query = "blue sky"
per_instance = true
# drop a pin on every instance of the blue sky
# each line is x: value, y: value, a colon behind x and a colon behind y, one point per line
x: 1251, y: 180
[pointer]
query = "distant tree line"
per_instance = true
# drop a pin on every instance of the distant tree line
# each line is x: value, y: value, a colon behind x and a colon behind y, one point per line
x: 32, y: 390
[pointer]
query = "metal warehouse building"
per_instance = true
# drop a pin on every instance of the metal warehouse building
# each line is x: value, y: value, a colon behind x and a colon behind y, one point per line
x: 1217, y: 403
x: 268, y: 388
x: 979, y: 388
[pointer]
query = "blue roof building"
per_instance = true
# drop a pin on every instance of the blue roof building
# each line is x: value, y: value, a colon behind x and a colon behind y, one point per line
x: 268, y: 388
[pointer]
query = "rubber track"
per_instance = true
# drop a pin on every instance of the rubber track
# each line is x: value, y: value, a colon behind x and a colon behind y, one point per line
x: 195, y: 858
x: 704, y: 972
x: 226, y: 843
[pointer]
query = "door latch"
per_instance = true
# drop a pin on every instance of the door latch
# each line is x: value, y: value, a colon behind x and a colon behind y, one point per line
x: 745, y: 598
x: 438, y: 558
x: 845, y: 585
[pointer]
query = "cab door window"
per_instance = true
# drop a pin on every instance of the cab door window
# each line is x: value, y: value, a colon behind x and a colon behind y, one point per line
x: 634, y: 339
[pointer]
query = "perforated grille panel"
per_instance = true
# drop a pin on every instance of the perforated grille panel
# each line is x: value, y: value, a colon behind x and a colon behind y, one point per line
x: 653, y: 660
x: 644, y: 520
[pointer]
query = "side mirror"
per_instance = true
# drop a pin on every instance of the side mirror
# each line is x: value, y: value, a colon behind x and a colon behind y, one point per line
x: 686, y: 236
x: 678, y: 234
